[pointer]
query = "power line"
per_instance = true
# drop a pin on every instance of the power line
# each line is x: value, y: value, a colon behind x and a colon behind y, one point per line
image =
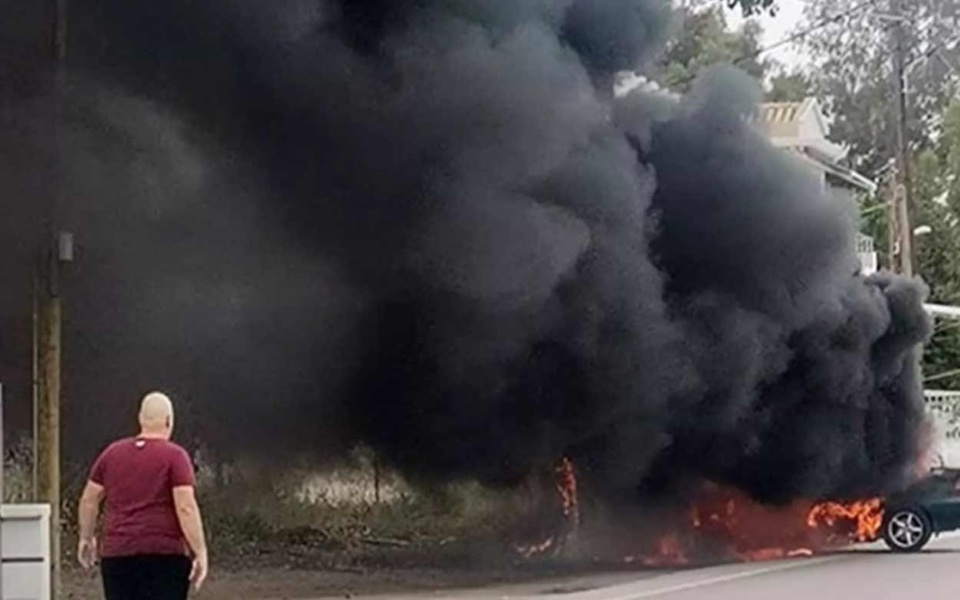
x: 940, y: 376
x: 805, y: 32
x: 792, y: 37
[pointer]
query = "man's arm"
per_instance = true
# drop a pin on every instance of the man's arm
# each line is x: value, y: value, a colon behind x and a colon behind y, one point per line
x: 183, y: 481
x: 89, y: 509
x: 191, y: 522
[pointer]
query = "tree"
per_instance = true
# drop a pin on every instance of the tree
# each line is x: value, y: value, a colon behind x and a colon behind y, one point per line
x: 752, y: 7
x: 937, y: 207
x: 792, y: 86
x: 704, y: 40
x: 852, y: 72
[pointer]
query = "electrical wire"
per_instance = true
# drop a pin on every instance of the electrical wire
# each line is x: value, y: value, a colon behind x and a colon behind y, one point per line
x: 792, y: 37
x: 944, y: 375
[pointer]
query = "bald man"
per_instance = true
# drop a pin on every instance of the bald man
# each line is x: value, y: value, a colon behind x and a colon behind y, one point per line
x: 153, y: 540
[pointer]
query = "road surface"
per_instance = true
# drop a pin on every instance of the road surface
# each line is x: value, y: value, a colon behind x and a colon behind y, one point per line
x: 869, y: 573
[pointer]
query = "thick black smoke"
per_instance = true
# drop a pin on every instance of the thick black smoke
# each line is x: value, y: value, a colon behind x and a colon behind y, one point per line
x: 431, y: 226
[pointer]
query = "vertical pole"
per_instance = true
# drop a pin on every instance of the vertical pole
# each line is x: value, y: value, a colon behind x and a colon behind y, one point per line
x: 902, y: 193
x: 893, y: 219
x: 49, y: 326
x: 48, y: 403
x: 60, y: 30
x: 3, y: 489
x: 35, y: 437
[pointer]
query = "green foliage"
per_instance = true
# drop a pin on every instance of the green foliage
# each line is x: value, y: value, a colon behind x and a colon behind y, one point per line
x: 875, y: 222
x: 752, y: 7
x: 936, y: 204
x: 704, y: 40
x: 942, y: 356
x: 792, y: 86
x: 852, y: 72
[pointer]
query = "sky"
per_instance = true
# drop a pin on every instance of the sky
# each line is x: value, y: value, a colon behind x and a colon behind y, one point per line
x: 776, y: 28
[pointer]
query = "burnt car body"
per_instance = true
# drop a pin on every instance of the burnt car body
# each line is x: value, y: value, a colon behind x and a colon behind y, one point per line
x: 928, y: 508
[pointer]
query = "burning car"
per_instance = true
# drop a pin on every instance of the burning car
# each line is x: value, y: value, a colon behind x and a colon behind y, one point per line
x: 930, y: 507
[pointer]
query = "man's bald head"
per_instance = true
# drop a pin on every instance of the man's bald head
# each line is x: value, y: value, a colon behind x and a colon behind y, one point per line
x: 156, y: 415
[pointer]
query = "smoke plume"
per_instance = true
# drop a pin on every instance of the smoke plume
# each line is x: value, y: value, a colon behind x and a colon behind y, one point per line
x: 433, y: 227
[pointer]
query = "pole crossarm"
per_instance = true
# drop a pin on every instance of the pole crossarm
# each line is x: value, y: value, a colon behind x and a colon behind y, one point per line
x: 942, y: 311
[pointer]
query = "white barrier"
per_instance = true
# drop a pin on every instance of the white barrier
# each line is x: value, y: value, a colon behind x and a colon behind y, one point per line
x: 24, y: 543
x: 944, y: 407
x: 25, y: 538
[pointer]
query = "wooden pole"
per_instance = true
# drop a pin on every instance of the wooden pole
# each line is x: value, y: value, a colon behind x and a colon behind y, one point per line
x: 35, y: 366
x: 49, y: 322
x: 902, y: 189
x: 60, y: 31
x: 3, y: 495
x: 893, y: 219
x: 47, y: 450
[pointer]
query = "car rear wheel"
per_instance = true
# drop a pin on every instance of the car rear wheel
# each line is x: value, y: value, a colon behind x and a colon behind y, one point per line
x: 907, y: 530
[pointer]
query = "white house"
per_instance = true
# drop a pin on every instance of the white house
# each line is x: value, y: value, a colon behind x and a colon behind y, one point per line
x: 801, y: 129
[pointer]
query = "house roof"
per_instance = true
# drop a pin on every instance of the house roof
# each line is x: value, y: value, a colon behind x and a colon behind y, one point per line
x: 798, y: 124
x: 782, y: 119
x: 802, y: 128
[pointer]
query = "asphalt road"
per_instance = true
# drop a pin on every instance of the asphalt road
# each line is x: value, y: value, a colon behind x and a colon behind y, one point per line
x: 869, y: 573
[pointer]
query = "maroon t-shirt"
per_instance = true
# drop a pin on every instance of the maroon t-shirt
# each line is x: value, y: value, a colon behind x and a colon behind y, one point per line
x: 138, y: 476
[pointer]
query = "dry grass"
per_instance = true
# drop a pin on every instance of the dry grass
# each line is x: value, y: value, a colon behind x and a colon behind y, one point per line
x: 18, y: 473
x: 349, y: 513
x: 341, y: 509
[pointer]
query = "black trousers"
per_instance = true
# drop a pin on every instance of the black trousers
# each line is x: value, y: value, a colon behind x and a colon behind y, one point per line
x: 146, y: 577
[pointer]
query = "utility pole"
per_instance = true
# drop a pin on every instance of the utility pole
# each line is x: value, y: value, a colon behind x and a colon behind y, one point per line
x: 901, y: 192
x: 889, y: 189
x: 3, y: 495
x: 55, y: 249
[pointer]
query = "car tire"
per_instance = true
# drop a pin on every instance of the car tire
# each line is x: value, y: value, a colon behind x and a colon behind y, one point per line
x: 907, y: 530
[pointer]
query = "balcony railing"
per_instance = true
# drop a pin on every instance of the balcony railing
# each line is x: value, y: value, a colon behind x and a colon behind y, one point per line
x: 869, y: 261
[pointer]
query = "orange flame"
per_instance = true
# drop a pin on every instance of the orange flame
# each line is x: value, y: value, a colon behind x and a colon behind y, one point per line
x: 865, y: 517
x: 736, y: 527
x: 723, y: 523
x: 567, y: 486
x: 569, y: 503
x: 535, y: 549
x: 670, y: 553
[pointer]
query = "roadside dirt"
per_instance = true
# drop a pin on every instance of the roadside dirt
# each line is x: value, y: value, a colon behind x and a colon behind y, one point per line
x: 277, y: 584
x: 293, y: 573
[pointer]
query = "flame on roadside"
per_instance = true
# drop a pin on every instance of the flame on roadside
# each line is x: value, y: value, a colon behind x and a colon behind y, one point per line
x: 723, y: 524
x: 670, y: 552
x: 866, y: 517
x: 535, y: 549
x: 566, y: 486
